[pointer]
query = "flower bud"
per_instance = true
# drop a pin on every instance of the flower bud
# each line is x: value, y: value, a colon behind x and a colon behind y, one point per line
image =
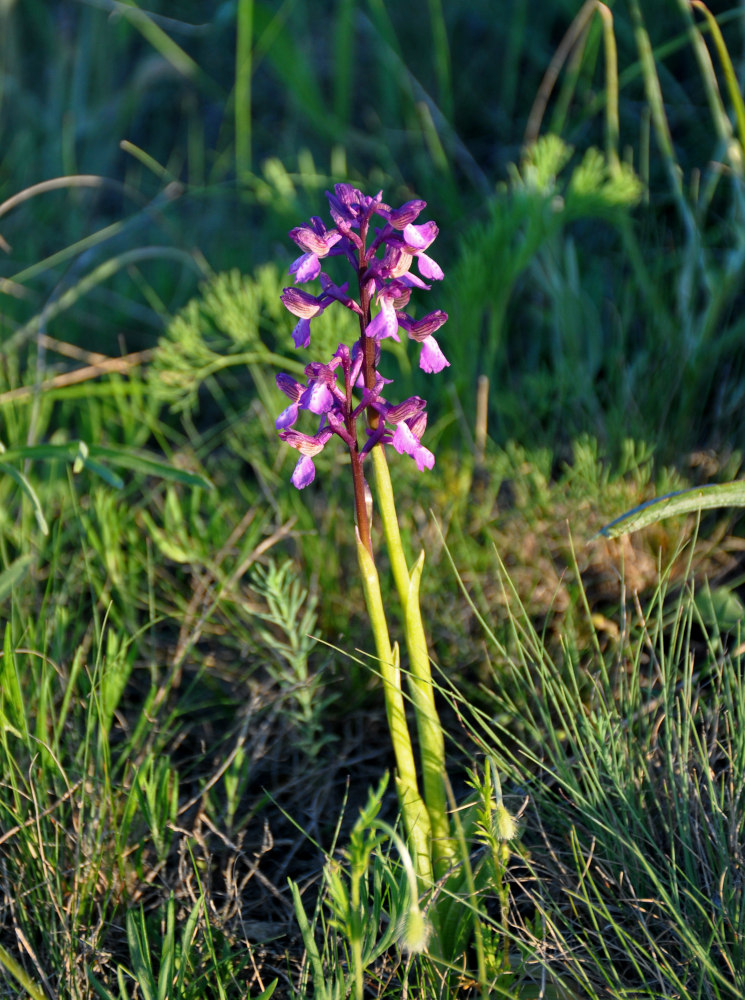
x: 417, y: 931
x: 504, y: 825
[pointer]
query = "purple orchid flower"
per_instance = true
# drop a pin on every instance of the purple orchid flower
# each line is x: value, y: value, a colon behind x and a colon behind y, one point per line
x: 317, y: 242
x: 409, y: 420
x: 349, y: 386
x: 431, y: 358
x: 309, y: 446
x: 416, y: 239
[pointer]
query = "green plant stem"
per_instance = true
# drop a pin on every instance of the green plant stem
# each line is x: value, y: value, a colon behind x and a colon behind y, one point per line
x: 729, y: 74
x: 415, y: 813
x: 611, y: 88
x: 15, y: 970
x: 429, y: 727
x: 243, y: 70
x: 356, y: 938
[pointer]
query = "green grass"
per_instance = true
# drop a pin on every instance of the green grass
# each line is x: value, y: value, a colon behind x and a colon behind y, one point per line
x: 184, y: 779
x: 640, y: 769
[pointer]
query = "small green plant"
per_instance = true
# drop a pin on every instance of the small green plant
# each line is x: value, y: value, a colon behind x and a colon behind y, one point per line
x: 156, y: 786
x: 172, y: 976
x: 168, y: 978
x: 290, y: 613
x: 495, y: 828
x: 358, y: 895
x: 372, y: 902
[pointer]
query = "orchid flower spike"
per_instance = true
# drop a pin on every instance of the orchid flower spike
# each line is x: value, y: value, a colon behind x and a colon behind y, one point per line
x: 350, y: 385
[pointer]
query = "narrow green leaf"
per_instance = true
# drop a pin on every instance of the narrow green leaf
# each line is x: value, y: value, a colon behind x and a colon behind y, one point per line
x: 306, y: 932
x: 170, y: 50
x: 611, y: 87
x: 265, y: 994
x: 344, y: 61
x: 729, y: 71
x: 11, y: 966
x: 28, y: 489
x: 137, y: 938
x: 441, y: 57
x: 63, y: 452
x: 10, y: 576
x: 679, y: 502
x: 100, y: 989
x: 168, y: 953
x: 148, y: 465
x: 242, y: 98
x: 187, y: 937
x: 291, y: 63
x: 103, y: 473
x: 148, y: 161
x: 136, y: 461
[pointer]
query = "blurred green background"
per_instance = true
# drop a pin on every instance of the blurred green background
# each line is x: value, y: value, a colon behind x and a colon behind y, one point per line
x: 214, y: 127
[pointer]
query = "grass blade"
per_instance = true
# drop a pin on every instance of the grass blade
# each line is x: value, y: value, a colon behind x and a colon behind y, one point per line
x: 729, y: 71
x: 15, y: 970
x: 77, y: 453
x: 137, y: 938
x: 344, y: 61
x: 29, y: 491
x: 611, y: 86
x: 162, y: 42
x: 10, y: 576
x: 149, y: 466
x: 242, y: 99
x: 306, y: 931
x: 679, y: 502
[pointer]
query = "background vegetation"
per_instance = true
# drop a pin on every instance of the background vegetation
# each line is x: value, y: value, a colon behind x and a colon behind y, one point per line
x: 174, y: 745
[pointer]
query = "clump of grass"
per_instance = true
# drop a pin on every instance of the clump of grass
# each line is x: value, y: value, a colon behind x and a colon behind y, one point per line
x: 634, y: 828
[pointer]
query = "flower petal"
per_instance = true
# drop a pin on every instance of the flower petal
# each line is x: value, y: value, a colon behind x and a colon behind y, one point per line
x: 400, y: 218
x: 287, y: 417
x: 306, y: 268
x: 315, y: 239
x: 418, y: 238
x: 301, y: 333
x: 429, y: 268
x: 431, y: 358
x: 305, y: 472
x: 384, y: 323
x: 317, y: 398
x: 301, y: 303
x: 409, y: 408
x: 406, y: 443
x: 420, y: 329
x: 290, y: 386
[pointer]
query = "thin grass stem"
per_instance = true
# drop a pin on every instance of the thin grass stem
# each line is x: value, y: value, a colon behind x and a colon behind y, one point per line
x: 242, y: 99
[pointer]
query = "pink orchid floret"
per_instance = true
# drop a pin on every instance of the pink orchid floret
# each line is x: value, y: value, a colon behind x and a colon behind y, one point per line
x: 309, y: 446
x: 431, y: 358
x: 317, y: 242
x: 407, y: 443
